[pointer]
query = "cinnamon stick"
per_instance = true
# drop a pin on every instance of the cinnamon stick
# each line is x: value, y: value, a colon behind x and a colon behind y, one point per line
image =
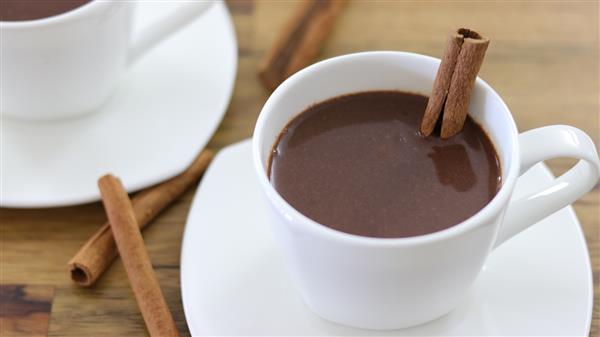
x: 300, y: 41
x: 441, y: 85
x: 99, y: 251
x: 128, y: 238
x: 454, y: 82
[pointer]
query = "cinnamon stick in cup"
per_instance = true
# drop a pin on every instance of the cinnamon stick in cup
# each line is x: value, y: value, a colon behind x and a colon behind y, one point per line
x: 99, y: 251
x: 454, y: 83
x: 300, y: 41
x: 128, y: 238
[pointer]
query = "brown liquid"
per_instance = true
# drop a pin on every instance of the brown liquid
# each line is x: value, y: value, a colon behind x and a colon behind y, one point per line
x: 21, y: 10
x: 357, y: 164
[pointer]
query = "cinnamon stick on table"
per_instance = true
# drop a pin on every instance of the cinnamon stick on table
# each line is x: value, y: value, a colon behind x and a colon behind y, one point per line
x: 99, y: 251
x: 299, y: 42
x: 146, y: 289
x: 454, y: 83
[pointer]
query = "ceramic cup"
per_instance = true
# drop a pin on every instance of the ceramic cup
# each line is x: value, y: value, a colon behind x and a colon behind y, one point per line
x: 68, y: 64
x: 380, y: 283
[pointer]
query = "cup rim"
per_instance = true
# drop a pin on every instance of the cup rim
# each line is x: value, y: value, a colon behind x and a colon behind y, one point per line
x: 58, y: 18
x: 483, y: 216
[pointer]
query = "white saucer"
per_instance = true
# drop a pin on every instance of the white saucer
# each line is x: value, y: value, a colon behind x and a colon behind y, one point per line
x: 163, y: 113
x: 233, y: 282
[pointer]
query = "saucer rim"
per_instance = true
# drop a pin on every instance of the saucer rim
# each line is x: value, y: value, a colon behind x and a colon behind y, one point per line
x: 544, y: 169
x: 55, y: 201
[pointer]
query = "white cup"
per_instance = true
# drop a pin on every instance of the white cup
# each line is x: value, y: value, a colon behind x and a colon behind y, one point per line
x: 380, y: 283
x: 68, y: 64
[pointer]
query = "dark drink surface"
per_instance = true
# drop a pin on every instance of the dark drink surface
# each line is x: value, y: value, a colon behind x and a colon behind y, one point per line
x: 22, y: 10
x: 357, y: 164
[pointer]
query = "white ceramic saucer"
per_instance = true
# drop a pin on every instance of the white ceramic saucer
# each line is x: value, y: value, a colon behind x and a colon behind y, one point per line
x: 163, y: 113
x: 233, y: 282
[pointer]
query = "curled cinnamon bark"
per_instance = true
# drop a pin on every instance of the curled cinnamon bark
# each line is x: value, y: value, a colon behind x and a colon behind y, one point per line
x: 96, y: 255
x: 136, y: 261
x: 300, y: 40
x: 454, y: 82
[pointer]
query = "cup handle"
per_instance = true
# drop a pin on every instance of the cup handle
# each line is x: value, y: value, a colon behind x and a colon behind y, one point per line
x: 150, y: 36
x: 545, y: 143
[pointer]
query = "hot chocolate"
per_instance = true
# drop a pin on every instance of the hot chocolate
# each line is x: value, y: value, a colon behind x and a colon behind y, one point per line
x: 357, y: 164
x: 22, y: 10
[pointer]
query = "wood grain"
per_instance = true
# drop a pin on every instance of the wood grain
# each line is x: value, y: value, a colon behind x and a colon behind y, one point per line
x: 25, y: 310
x: 544, y: 64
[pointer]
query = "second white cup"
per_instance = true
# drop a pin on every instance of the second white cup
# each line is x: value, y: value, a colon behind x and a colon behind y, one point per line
x: 68, y: 64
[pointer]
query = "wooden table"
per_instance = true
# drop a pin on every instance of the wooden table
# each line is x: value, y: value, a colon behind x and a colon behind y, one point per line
x: 543, y: 60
